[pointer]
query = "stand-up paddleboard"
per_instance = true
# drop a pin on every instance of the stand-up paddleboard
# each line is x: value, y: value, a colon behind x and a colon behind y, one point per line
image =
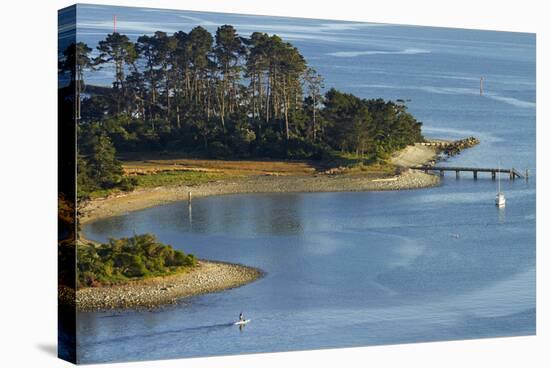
x: 240, y: 323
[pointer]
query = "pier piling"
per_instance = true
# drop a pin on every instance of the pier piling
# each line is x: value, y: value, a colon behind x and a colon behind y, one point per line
x: 189, y: 197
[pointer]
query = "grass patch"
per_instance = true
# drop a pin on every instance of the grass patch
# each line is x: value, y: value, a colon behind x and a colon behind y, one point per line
x: 349, y: 163
x: 152, y: 174
x: 102, y: 193
x: 177, y: 177
x: 165, y: 178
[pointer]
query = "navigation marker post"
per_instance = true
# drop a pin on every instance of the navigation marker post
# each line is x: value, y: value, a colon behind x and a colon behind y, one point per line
x: 481, y: 86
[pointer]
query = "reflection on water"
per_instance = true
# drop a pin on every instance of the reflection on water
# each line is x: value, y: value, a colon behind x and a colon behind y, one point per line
x: 190, y: 214
x: 501, y: 215
x: 273, y: 215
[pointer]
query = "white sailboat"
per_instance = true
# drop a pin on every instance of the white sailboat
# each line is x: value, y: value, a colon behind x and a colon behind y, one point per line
x: 500, y: 200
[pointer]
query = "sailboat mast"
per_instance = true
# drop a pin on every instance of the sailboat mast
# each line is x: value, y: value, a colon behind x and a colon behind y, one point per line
x: 499, y: 177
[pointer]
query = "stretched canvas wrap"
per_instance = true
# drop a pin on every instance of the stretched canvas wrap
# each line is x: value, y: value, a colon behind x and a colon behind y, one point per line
x: 233, y: 184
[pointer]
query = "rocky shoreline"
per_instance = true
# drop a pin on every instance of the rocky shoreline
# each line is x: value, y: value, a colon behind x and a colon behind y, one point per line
x: 454, y: 148
x: 207, y: 277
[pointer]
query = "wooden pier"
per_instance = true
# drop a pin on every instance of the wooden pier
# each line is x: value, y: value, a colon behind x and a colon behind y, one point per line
x: 512, y: 173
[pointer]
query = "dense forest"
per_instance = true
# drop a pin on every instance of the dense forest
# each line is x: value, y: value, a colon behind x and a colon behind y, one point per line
x: 222, y: 96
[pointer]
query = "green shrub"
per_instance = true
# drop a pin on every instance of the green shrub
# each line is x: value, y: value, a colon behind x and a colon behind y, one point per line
x: 128, y: 183
x: 124, y: 259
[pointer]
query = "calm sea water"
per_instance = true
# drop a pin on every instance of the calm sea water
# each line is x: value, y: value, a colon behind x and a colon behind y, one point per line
x: 353, y: 269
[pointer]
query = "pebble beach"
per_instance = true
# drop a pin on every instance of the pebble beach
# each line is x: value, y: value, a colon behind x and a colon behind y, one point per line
x: 207, y: 277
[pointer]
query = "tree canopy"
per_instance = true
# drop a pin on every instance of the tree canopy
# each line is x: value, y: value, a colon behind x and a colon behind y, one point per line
x: 226, y: 96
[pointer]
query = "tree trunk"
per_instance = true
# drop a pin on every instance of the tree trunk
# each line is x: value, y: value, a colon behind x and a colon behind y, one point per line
x: 314, y: 121
x: 167, y: 87
x: 286, y: 102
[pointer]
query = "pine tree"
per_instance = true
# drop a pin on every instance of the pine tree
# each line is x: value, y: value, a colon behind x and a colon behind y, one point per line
x: 120, y: 51
x: 103, y: 166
